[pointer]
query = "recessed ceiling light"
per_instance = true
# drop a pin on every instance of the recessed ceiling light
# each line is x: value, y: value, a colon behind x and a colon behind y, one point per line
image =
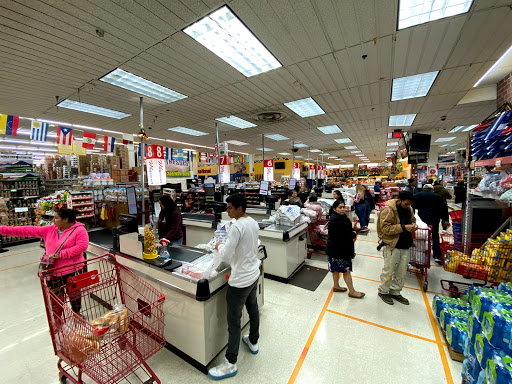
x: 265, y: 149
x: 494, y: 66
x: 315, y: 150
x: 414, y: 12
x: 224, y: 34
x: 410, y: 87
x: 284, y: 153
x: 392, y: 143
x: 277, y: 137
x: 356, y: 151
x: 142, y: 86
x: 236, y: 122
x: 461, y: 149
x: 305, y: 107
x: 448, y: 145
x: 351, y: 147
x: 301, y: 145
x: 330, y: 129
x: 188, y: 131
x: 332, y: 157
x: 393, y: 149
x: 463, y: 128
x: 343, y: 141
x: 325, y: 154
x: 444, y: 139
x: 401, y: 120
x: 83, y: 107
x: 236, y: 142
x: 360, y: 155
x: 299, y: 157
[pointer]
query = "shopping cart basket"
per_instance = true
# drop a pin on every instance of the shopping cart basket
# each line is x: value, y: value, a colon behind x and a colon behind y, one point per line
x: 419, y: 254
x: 479, y: 257
x: 104, y: 323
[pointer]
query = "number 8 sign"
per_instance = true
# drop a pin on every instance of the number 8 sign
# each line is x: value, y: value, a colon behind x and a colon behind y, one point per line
x: 154, y: 151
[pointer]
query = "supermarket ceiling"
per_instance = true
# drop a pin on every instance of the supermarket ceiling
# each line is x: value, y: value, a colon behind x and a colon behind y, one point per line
x: 344, y: 54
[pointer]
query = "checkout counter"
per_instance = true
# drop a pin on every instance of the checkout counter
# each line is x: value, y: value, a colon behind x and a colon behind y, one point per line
x: 195, y: 309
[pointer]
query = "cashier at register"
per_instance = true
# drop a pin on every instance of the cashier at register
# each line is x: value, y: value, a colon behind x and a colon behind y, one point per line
x: 241, y: 252
x: 169, y: 222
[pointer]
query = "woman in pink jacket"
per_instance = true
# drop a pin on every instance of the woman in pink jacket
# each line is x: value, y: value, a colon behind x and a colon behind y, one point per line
x: 72, y: 251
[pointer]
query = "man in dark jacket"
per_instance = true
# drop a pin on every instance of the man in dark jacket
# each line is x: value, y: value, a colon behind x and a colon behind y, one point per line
x: 431, y: 209
x: 445, y: 195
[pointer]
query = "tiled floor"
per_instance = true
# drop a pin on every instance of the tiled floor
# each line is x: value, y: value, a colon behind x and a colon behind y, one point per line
x: 306, y: 337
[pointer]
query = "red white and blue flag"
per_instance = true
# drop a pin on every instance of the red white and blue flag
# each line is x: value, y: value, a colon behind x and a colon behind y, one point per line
x: 108, y: 144
x: 64, y: 135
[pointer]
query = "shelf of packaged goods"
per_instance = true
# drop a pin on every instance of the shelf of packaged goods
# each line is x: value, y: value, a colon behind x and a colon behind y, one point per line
x: 84, y: 216
x: 17, y: 189
x: 492, y: 162
x: 82, y: 205
x: 86, y: 210
x: 22, y: 197
x: 81, y: 198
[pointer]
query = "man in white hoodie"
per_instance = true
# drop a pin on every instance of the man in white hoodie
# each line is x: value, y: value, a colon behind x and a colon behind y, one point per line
x: 241, y: 252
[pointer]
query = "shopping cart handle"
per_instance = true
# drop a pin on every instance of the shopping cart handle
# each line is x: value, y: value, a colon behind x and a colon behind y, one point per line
x: 162, y: 298
x: 100, y: 331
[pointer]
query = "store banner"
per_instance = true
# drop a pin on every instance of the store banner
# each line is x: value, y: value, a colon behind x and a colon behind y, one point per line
x: 268, y: 170
x: 65, y: 149
x: 77, y: 148
x: 10, y: 162
x: 176, y: 168
x: 321, y: 172
x: 311, y: 173
x: 155, y: 164
x: 128, y: 141
x: 224, y: 163
x: 296, y: 171
x: 109, y: 143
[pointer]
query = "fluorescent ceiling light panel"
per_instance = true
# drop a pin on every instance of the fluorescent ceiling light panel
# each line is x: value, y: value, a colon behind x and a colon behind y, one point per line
x: 236, y: 142
x: 188, y: 131
x: 82, y: 107
x: 236, y: 122
x: 343, y: 141
x: 413, y: 86
x: 401, y: 120
x: 351, y: 147
x: 226, y: 36
x: 284, y: 153
x: 139, y: 85
x: 360, y: 155
x: 277, y: 137
x: 315, y: 150
x: 414, y: 12
x: 448, y: 145
x: 265, y: 149
x: 392, y: 144
x: 444, y: 139
x: 326, y: 154
x: 393, y: 149
x: 332, y: 157
x: 494, y: 66
x: 299, y: 157
x: 356, y: 151
x: 461, y: 149
x: 330, y: 129
x: 305, y: 107
x: 463, y: 128
x: 301, y: 145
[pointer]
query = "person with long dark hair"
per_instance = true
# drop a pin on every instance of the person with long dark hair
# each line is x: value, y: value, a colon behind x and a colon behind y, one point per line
x: 169, y: 221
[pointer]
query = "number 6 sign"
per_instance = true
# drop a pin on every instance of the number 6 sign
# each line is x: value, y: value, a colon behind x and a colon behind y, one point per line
x: 268, y: 170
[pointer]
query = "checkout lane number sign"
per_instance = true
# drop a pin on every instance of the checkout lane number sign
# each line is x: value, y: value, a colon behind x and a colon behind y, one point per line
x: 155, y: 164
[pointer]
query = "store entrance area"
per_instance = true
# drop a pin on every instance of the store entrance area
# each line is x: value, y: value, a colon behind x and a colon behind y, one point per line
x: 305, y: 337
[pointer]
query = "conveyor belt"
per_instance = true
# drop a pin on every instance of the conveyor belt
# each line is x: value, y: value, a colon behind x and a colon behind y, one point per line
x: 184, y: 254
x: 102, y: 237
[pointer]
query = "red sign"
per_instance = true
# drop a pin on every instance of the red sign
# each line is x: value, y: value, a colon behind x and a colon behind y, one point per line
x: 269, y: 163
x: 154, y: 151
x: 224, y: 160
x: 311, y: 167
x: 295, y: 165
x: 433, y: 172
x: 321, y: 167
x: 397, y: 135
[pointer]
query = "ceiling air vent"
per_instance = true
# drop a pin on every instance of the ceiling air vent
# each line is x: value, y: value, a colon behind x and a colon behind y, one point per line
x: 269, y: 117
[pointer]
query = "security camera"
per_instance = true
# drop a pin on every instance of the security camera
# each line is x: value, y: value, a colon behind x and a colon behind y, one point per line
x: 295, y: 150
x: 443, y: 118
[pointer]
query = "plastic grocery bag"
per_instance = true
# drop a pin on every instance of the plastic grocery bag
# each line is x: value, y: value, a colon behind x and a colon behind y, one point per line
x: 421, y: 225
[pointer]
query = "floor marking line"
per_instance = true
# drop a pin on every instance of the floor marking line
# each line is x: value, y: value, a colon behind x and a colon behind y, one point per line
x: 305, y: 351
x: 414, y: 289
x: 368, y: 241
x: 446, y: 366
x: 383, y: 327
x: 19, y: 266
x: 20, y: 253
x: 376, y: 257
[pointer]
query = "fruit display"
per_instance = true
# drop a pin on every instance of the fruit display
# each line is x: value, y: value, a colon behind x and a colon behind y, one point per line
x: 149, y: 244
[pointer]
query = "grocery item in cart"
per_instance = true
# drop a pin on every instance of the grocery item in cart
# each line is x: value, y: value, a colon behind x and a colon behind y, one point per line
x: 114, y: 322
x: 81, y: 343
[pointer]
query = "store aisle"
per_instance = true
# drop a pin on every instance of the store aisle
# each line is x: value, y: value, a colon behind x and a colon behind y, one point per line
x: 306, y: 337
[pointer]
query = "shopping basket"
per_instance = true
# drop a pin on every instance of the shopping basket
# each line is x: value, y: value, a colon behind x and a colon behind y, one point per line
x: 479, y: 257
x: 456, y: 216
x: 104, y: 323
x: 419, y: 254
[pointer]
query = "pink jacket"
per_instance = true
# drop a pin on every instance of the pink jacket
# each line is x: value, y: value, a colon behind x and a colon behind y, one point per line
x: 72, y: 251
x: 315, y: 207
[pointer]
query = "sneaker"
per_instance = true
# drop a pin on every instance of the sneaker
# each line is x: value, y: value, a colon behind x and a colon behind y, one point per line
x: 400, y: 299
x: 252, y: 347
x: 438, y: 261
x: 223, y: 370
x: 364, y: 229
x: 386, y: 297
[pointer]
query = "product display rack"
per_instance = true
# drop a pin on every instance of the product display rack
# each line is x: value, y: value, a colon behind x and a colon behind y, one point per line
x: 50, y: 186
x: 82, y: 201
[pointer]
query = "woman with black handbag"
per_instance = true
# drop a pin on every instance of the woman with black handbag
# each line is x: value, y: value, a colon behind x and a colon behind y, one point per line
x: 65, y: 241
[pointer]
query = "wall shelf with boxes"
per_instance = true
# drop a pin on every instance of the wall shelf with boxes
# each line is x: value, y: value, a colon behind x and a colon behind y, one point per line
x: 83, y: 202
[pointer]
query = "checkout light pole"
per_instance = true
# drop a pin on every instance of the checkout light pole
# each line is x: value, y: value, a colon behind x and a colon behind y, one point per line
x: 142, y: 154
x: 218, y: 157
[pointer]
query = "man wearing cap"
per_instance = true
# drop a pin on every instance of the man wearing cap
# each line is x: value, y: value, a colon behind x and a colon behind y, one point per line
x: 431, y: 209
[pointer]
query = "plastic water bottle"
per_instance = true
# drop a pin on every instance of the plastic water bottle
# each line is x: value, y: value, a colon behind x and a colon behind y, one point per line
x: 499, y: 368
x: 455, y: 332
x: 497, y: 328
x: 164, y: 253
x: 451, y: 314
x: 474, y: 328
x: 483, y: 349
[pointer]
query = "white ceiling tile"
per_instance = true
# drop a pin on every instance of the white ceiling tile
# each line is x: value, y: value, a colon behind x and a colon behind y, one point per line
x: 386, y: 14
x: 367, y: 19
x: 348, y: 21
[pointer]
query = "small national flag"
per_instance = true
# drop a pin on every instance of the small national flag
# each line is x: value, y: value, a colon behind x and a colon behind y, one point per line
x: 180, y: 154
x: 108, y: 144
x: 9, y: 125
x: 38, y: 130
x: 64, y: 135
x: 128, y: 141
x: 89, y: 140
x: 166, y: 152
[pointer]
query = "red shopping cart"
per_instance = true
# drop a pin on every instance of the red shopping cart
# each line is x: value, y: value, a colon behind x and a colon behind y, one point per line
x: 419, y: 254
x: 478, y: 257
x: 105, y: 322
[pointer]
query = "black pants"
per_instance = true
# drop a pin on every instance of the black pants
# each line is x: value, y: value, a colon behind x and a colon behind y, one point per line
x: 436, y: 246
x: 58, y: 285
x: 236, y: 299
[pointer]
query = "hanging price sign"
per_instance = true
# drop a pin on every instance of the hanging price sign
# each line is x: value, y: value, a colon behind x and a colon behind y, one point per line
x: 268, y: 170
x: 311, y: 173
x: 321, y: 172
x: 155, y: 164
x: 154, y: 151
x: 296, y: 171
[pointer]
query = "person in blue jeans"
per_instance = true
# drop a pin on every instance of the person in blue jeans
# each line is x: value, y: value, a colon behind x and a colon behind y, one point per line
x: 370, y: 204
x: 360, y: 206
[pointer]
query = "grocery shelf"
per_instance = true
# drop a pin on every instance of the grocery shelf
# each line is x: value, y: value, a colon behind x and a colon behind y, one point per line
x: 492, y: 162
x: 82, y: 205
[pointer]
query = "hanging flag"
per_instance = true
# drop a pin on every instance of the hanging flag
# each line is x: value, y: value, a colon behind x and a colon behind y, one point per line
x: 89, y: 139
x: 166, y: 153
x: 64, y: 135
x: 108, y: 143
x: 188, y: 155
x: 180, y: 155
x: 38, y: 130
x: 172, y: 154
x: 9, y: 125
x: 128, y: 141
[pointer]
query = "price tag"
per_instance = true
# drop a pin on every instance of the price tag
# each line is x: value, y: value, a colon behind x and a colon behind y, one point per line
x: 498, y: 163
x: 22, y: 209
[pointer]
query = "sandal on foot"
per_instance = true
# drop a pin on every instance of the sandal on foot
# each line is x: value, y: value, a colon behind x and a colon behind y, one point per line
x: 342, y: 289
x: 360, y: 296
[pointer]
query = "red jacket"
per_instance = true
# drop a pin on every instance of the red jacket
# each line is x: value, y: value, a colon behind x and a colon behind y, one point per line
x: 72, y: 251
